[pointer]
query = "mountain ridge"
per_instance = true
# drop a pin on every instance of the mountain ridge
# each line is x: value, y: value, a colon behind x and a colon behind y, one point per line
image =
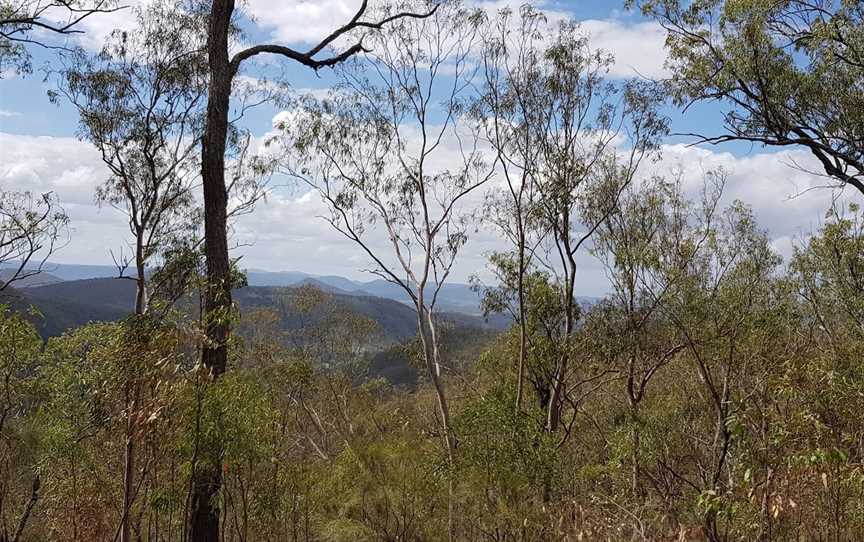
x: 71, y: 303
x: 453, y: 297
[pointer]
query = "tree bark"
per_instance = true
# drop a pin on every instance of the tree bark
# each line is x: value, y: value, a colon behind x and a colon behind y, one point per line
x: 523, y: 325
x: 433, y: 365
x: 141, y: 298
x: 553, y: 412
x: 217, y: 299
x: 636, y: 458
x: 207, y: 482
x: 131, y: 393
x: 34, y: 498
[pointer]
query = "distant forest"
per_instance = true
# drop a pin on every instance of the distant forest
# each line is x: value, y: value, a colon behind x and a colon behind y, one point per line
x: 715, y: 393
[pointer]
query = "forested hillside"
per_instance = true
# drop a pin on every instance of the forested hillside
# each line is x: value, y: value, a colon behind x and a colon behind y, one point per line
x: 640, y: 356
x: 64, y: 305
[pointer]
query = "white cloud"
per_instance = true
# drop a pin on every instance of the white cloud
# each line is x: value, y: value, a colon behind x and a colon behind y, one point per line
x: 46, y: 164
x: 286, y: 231
x: 71, y: 170
x: 301, y: 21
x: 787, y: 200
x: 639, y: 48
x: 97, y: 27
x: 7, y: 113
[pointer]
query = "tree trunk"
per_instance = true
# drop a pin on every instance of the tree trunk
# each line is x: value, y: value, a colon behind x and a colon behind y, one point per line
x: 523, y: 325
x: 31, y: 503
x: 204, y: 521
x: 557, y: 389
x: 633, y: 400
x: 431, y: 354
x: 553, y: 413
x: 636, y: 468
x: 141, y: 300
x: 131, y: 393
x: 217, y: 299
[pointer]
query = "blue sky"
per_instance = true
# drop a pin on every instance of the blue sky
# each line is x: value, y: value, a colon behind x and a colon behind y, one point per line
x: 40, y: 152
x: 27, y: 111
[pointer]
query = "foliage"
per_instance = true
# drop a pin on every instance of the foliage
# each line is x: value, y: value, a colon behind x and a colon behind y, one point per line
x: 771, y: 65
x: 31, y: 228
x: 35, y: 22
x: 723, y: 400
x: 713, y: 394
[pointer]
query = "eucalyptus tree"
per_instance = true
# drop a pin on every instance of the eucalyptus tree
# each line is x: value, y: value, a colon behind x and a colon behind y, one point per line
x: 653, y: 235
x: 21, y: 345
x: 788, y: 73
x: 504, y: 112
x: 544, y: 322
x: 140, y: 102
x: 592, y: 134
x: 222, y: 70
x: 387, y: 154
x: 828, y: 270
x: 37, y: 22
x: 723, y: 301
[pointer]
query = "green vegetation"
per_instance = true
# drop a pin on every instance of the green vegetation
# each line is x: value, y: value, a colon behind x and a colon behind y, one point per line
x: 715, y: 393
x: 723, y: 399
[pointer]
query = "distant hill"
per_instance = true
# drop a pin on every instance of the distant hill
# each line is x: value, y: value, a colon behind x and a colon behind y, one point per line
x: 68, y: 271
x: 257, y: 277
x: 316, y: 283
x: 72, y: 303
x: 69, y: 304
x: 454, y: 297
x: 397, y: 321
x: 29, y: 281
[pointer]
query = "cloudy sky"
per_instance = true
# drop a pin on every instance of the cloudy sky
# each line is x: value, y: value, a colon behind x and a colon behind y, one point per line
x: 40, y: 152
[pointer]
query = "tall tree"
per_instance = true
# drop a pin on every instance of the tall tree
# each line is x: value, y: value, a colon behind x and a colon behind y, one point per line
x: 593, y: 134
x: 140, y: 102
x: 371, y: 151
x: 723, y: 298
x: 645, y: 245
x: 511, y: 49
x: 222, y: 68
x: 788, y: 73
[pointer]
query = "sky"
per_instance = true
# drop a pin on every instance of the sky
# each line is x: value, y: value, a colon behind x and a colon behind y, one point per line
x: 39, y: 150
